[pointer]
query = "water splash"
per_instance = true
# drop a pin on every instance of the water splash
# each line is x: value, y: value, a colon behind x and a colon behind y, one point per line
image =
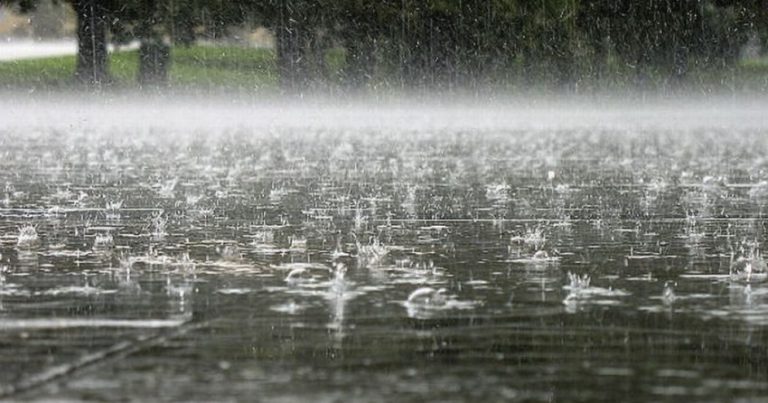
x: 159, y: 223
x: 750, y: 266
x: 27, y: 237
x: 103, y: 241
x: 668, y: 296
x: 112, y: 210
x: 371, y: 254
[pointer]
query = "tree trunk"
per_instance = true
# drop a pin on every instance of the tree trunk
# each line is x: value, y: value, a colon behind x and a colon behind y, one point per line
x: 417, y: 56
x: 91, y: 42
x: 679, y: 66
x: 154, y: 61
x: 154, y: 52
x: 291, y: 37
x: 360, y: 60
x: 762, y: 24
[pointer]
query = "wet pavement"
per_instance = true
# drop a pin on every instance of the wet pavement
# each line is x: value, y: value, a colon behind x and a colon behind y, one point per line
x: 448, y: 261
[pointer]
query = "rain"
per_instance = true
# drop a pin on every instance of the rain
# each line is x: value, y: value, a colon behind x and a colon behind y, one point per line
x: 310, y: 200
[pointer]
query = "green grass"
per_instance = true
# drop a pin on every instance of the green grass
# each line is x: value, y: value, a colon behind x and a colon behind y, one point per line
x: 196, y: 67
x: 223, y: 67
x: 51, y: 72
x: 247, y: 69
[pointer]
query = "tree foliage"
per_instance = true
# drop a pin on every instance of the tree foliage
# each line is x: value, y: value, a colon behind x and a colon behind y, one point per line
x: 433, y: 43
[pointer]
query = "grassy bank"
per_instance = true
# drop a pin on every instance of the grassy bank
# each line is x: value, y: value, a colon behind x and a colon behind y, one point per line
x: 197, y: 67
x: 251, y: 70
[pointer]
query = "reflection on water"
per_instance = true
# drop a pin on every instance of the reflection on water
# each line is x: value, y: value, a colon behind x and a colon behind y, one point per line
x: 327, y: 265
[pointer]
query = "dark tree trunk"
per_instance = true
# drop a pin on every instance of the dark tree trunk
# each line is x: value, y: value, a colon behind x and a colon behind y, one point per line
x: 528, y: 67
x: 154, y: 62
x: 679, y: 66
x: 599, y: 61
x: 291, y: 38
x: 91, y: 42
x: 290, y: 57
x: 762, y: 24
x: 360, y: 60
x: 417, y: 61
x: 154, y: 52
x: 563, y: 60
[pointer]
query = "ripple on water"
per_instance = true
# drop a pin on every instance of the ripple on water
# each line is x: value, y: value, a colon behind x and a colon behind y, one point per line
x: 471, y: 238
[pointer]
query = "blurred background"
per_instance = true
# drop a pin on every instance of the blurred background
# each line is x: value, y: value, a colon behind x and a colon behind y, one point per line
x: 338, y: 46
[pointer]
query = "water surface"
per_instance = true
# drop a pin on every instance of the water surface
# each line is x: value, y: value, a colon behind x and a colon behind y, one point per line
x: 329, y: 253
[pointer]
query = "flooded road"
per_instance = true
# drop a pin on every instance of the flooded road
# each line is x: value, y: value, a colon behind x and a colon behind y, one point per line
x: 411, y: 254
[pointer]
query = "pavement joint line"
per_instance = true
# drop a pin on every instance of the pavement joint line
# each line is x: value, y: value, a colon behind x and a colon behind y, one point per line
x: 120, y: 349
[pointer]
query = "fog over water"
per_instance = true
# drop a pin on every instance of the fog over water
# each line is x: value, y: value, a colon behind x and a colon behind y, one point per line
x: 216, y: 112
